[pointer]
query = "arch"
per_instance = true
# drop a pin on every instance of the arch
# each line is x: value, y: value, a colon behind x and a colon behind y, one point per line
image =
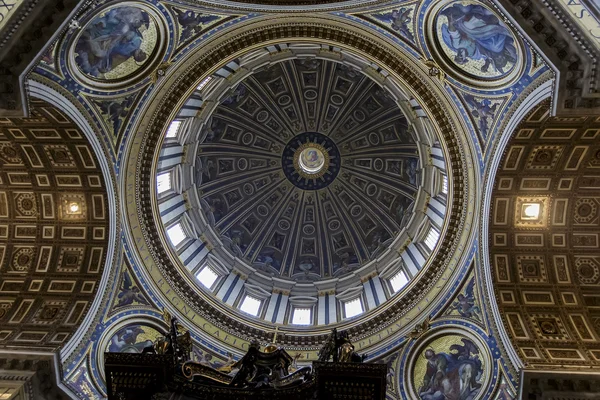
x: 520, y: 110
x: 61, y: 101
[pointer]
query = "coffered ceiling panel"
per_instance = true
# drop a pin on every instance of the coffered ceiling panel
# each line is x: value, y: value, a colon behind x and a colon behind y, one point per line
x: 544, y: 239
x: 53, y: 228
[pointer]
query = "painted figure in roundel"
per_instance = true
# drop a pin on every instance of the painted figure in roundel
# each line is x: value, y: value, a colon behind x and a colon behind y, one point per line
x: 450, y: 371
x: 476, y: 40
x: 132, y: 339
x: 116, y: 43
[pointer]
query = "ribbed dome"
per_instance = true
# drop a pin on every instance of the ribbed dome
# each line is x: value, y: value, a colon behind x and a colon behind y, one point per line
x: 300, y: 171
x: 268, y: 210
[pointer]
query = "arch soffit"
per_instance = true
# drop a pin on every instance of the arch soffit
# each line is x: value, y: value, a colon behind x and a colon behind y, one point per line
x: 518, y: 112
x: 60, y: 98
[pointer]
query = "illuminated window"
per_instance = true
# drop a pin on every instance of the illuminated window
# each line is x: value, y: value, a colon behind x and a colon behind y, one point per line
x: 250, y: 305
x: 207, y: 277
x: 163, y: 182
x: 173, y: 129
x: 432, y: 238
x: 353, y: 307
x: 176, y: 234
x: 531, y: 211
x: 398, y: 281
x: 301, y: 316
x: 204, y: 83
x: 444, y: 184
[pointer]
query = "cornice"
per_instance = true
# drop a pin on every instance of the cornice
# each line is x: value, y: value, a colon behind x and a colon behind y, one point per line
x: 565, y: 45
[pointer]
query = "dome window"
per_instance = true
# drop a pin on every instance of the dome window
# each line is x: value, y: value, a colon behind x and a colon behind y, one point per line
x: 398, y: 281
x: 353, y: 308
x: 432, y: 238
x: 163, y: 182
x: 301, y: 316
x: 176, y: 234
x: 207, y: 277
x: 173, y: 129
x: 250, y: 305
x: 204, y: 83
x: 444, y: 184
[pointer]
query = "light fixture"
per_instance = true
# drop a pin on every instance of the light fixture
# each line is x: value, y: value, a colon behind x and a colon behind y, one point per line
x: 530, y: 211
x: 73, y: 208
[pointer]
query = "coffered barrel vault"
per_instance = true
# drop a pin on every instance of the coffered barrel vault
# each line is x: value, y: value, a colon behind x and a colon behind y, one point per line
x: 544, y: 228
x: 53, y: 225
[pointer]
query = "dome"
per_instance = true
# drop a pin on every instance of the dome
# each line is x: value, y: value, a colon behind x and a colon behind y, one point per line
x: 308, y: 173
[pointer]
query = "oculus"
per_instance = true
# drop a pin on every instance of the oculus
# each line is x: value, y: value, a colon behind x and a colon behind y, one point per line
x: 311, y: 161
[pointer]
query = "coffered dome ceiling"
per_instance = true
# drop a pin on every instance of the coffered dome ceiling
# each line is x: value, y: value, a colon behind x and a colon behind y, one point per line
x: 306, y: 170
x: 297, y: 176
x: 305, y: 223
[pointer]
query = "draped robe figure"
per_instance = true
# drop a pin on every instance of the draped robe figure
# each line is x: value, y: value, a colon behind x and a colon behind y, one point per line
x: 475, y: 33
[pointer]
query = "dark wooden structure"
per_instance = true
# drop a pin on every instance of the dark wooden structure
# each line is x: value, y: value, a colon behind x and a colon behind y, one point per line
x: 157, y: 376
x: 356, y: 381
x: 164, y: 371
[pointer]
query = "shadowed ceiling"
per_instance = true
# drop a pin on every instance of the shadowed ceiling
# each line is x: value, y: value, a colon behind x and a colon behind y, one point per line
x: 53, y: 228
x: 546, y: 270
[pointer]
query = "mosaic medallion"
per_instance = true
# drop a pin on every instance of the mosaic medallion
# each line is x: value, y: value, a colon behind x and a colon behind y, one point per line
x: 475, y: 41
x: 450, y: 365
x: 311, y: 161
x: 116, y: 44
x: 132, y: 339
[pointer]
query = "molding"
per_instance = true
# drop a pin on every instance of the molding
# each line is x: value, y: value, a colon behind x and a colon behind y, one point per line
x: 541, y: 93
x: 44, y: 92
x: 561, y: 42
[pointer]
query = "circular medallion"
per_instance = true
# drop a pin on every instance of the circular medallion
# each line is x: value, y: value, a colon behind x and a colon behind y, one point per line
x: 587, y: 271
x: 132, y: 339
x: 311, y: 161
x: 283, y: 225
x: 284, y: 100
x: 334, y: 225
x: 247, y: 138
x: 248, y: 189
x: 262, y: 210
x: 242, y: 164
x: 450, y: 364
x: 117, y: 44
x: 308, y: 229
x: 472, y: 40
x: 311, y: 158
